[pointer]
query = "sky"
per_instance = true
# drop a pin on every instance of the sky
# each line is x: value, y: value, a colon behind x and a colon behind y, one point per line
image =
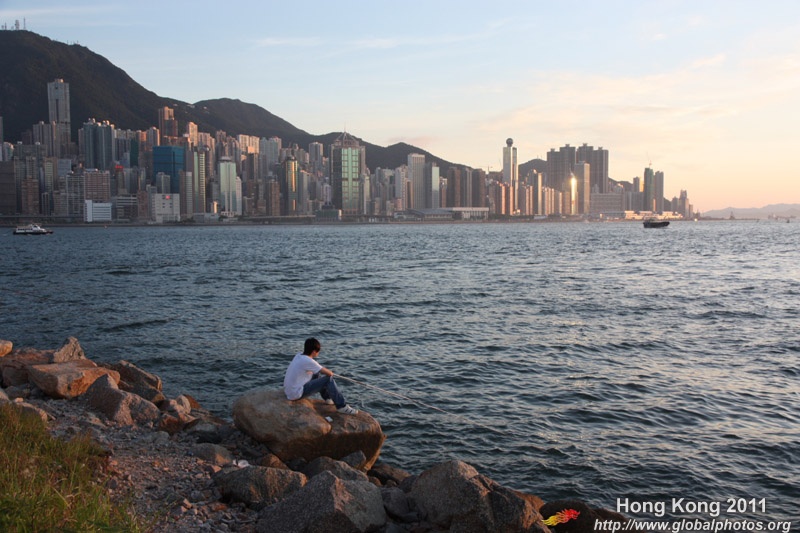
x: 707, y: 92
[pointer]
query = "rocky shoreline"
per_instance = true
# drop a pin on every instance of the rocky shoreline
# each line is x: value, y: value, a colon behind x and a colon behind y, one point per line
x: 185, y: 470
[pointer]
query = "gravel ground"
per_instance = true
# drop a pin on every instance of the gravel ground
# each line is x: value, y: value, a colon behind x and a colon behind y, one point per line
x: 159, y: 474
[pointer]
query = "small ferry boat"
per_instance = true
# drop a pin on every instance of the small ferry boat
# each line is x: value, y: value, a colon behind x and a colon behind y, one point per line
x: 655, y: 223
x: 32, y: 229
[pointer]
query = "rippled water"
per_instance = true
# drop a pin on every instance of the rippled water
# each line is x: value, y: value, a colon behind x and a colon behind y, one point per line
x: 597, y: 361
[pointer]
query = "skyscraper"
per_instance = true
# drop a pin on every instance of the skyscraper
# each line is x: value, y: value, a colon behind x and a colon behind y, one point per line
x: 649, y: 190
x: 58, y: 107
x: 167, y: 125
x: 416, y: 177
x: 348, y: 162
x: 230, y: 187
x: 598, y: 164
x: 169, y: 160
x: 510, y: 171
x: 97, y: 144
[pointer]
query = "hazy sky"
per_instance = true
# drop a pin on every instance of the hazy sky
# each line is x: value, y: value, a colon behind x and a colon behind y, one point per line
x: 706, y: 91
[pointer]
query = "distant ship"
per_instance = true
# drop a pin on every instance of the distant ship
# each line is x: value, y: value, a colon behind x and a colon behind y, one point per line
x: 653, y: 223
x: 32, y: 229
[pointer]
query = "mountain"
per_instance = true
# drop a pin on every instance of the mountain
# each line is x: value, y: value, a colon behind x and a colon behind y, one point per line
x: 773, y: 210
x: 103, y: 91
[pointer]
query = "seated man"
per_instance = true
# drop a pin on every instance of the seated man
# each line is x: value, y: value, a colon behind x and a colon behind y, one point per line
x: 303, y: 379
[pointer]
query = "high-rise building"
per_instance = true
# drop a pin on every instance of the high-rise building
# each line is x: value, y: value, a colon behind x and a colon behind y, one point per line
x: 658, y: 185
x: 598, y: 164
x: 167, y: 125
x: 582, y: 173
x: 348, y: 163
x: 289, y: 185
x: 230, y: 188
x: 432, y: 182
x: 559, y: 167
x: 510, y: 177
x: 649, y: 203
x: 169, y: 160
x: 97, y: 145
x: 59, y: 112
x: 416, y: 179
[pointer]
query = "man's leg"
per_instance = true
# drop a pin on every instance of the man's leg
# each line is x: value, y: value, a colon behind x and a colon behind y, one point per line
x: 326, y: 387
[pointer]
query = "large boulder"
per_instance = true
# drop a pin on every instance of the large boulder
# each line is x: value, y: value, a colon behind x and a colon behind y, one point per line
x: 298, y: 429
x: 326, y: 503
x: 120, y: 407
x: 454, y: 496
x: 69, y: 379
x: 258, y: 486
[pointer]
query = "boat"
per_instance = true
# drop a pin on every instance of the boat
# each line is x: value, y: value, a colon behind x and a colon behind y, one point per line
x: 654, y: 223
x: 32, y: 229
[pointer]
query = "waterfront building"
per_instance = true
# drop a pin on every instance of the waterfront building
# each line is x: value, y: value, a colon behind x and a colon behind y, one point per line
x: 348, y: 164
x: 97, y: 211
x: 658, y: 192
x: 416, y: 179
x: 582, y: 174
x: 510, y: 177
x: 97, y: 185
x: 230, y: 188
x: 649, y: 202
x: 432, y: 185
x: 290, y: 174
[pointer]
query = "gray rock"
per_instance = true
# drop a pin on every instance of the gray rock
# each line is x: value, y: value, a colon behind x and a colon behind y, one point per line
x: 339, y: 469
x: 213, y: 453
x: 258, y: 486
x: 122, y: 408
x: 454, y: 496
x: 396, y: 503
x: 69, y: 351
x: 325, y: 504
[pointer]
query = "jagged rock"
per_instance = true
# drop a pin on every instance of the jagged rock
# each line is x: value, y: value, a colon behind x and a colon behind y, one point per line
x: 213, y: 453
x: 134, y: 379
x: 298, y: 429
x: 387, y: 474
x: 120, y: 407
x: 258, y: 486
x: 356, y: 459
x: 5, y: 347
x: 69, y: 351
x: 68, y: 379
x: 396, y: 503
x: 339, y: 469
x: 454, y: 495
x: 14, y: 366
x: 326, y: 503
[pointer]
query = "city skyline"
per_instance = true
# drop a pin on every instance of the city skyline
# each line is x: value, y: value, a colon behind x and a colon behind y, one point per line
x: 700, y: 92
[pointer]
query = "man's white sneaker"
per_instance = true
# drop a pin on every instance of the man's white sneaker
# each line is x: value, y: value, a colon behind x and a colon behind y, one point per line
x: 347, y: 410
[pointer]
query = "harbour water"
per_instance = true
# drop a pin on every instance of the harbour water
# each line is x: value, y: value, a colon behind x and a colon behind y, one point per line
x: 598, y: 361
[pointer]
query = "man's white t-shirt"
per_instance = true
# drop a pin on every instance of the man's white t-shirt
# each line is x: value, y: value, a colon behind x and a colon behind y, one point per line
x: 298, y: 374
